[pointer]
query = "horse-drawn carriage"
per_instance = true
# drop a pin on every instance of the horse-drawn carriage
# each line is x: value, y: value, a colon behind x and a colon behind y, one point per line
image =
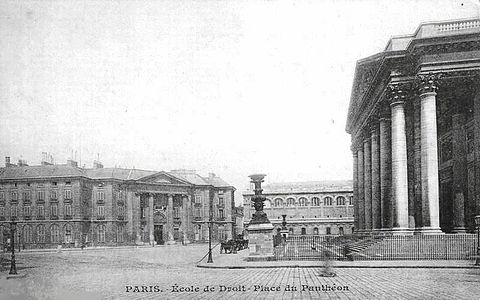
x: 238, y: 244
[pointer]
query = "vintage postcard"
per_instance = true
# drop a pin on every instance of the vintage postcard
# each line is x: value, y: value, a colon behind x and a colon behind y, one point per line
x: 251, y: 149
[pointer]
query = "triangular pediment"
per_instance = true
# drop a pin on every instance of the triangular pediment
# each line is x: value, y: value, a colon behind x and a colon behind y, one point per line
x: 163, y: 178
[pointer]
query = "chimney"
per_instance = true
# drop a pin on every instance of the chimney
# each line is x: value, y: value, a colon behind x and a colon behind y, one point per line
x: 22, y: 163
x: 97, y: 164
x: 72, y: 163
x: 7, y: 162
x: 47, y: 160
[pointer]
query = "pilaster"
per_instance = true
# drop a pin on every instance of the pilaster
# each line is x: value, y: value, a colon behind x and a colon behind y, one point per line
x: 459, y: 166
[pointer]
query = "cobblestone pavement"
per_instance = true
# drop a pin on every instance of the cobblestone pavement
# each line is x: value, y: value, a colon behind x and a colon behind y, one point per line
x: 169, y: 272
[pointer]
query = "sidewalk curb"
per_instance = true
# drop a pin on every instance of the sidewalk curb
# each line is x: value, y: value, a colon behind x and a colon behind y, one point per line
x: 335, y: 267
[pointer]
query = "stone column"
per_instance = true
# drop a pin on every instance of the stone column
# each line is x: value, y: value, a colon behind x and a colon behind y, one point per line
x: 399, y: 160
x: 355, y: 185
x: 361, y: 195
x: 385, y: 168
x: 367, y: 181
x: 185, y: 210
x: 428, y: 144
x: 150, y: 220
x: 376, y: 209
x: 459, y: 167
x: 476, y: 152
x: 170, y: 239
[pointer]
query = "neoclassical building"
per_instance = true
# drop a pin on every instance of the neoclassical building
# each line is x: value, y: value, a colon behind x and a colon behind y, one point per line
x: 65, y: 204
x: 414, y: 120
x: 312, y: 208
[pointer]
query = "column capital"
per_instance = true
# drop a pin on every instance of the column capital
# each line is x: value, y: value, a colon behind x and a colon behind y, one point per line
x: 427, y: 83
x: 397, y: 93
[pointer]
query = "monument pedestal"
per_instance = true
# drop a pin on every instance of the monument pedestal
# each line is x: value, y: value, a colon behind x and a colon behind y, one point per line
x: 260, y: 242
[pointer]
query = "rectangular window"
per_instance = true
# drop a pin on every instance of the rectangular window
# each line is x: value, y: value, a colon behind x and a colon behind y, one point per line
x: 26, y: 211
x: 68, y: 210
x: 121, y: 195
x: 2, y: 196
x: 221, y: 201
x: 53, y: 194
x: 176, y: 212
x: 41, y: 233
x: 221, y: 214
x: 68, y: 194
x: 198, y: 199
x: 121, y: 211
x: 14, y: 196
x: 13, y: 211
x: 101, y: 211
x: 120, y: 233
x: 26, y: 196
x: 40, y: 211
x: 2, y: 211
x: 100, y: 196
x: 54, y: 210
x: 41, y: 196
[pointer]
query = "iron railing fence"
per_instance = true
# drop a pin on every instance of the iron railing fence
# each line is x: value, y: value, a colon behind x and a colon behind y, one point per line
x: 378, y: 247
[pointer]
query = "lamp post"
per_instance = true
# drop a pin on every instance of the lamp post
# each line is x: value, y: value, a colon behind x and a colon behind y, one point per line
x: 477, y: 225
x: 13, y: 267
x: 210, y: 260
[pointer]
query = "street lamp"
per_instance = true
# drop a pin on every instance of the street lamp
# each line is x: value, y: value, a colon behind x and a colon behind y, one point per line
x: 13, y: 267
x: 477, y: 224
x: 210, y: 260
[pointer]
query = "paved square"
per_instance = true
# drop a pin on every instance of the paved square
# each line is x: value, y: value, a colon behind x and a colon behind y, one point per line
x: 169, y: 272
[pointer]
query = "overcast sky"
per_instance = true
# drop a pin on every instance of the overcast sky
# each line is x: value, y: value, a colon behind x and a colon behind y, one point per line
x: 230, y: 87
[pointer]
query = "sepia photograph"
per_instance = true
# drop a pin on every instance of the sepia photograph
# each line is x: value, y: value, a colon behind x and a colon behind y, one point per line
x: 248, y: 149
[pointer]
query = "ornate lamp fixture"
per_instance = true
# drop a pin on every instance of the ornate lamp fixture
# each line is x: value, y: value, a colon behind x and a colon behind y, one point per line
x: 259, y: 217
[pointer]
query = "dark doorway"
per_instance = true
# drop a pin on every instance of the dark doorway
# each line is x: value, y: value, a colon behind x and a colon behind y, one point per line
x: 158, y: 234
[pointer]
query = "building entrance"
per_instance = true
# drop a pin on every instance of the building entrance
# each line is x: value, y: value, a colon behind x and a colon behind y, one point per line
x: 158, y: 234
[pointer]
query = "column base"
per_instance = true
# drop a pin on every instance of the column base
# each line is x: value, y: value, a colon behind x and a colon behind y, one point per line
x: 428, y: 231
x: 459, y: 230
x: 400, y: 231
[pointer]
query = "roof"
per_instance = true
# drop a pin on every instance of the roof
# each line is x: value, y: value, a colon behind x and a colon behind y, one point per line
x: 117, y: 173
x: 190, y: 176
x: 41, y: 172
x: 307, y: 187
x: 216, y: 181
x: 67, y: 170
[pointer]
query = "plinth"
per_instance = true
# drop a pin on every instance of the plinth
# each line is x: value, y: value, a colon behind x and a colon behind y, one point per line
x: 260, y: 242
x: 260, y: 230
